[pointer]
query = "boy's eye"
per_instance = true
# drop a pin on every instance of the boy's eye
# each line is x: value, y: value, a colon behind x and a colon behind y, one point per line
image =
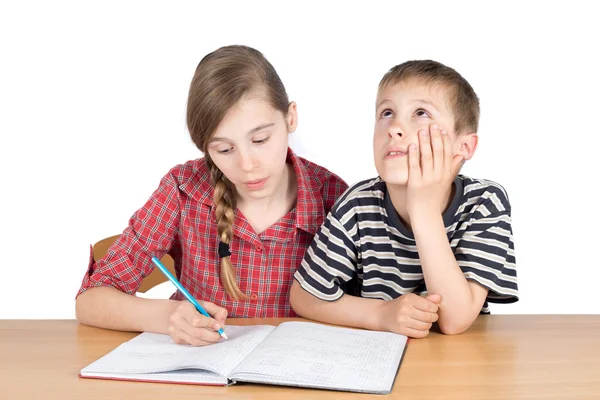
x: 386, y: 113
x: 420, y: 112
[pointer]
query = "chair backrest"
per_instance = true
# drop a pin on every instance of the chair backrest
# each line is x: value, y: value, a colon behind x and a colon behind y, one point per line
x: 155, y: 278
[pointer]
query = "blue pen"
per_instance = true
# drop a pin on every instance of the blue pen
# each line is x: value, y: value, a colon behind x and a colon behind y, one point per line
x: 187, y: 294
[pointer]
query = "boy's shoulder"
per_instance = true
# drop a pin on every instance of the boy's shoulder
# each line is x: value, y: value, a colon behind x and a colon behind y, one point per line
x: 367, y: 192
x: 484, y: 193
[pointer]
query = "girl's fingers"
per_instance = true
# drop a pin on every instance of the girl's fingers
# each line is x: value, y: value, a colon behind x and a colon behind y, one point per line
x: 183, y: 337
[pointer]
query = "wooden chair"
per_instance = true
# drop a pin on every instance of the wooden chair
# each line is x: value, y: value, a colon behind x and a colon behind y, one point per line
x: 155, y: 278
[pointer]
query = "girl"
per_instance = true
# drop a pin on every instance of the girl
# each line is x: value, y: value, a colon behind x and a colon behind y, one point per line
x: 236, y: 222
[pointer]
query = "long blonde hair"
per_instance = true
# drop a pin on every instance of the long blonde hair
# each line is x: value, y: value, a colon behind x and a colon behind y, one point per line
x: 221, y: 79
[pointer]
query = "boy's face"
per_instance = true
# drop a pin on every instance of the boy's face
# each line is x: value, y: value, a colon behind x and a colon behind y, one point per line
x: 402, y: 110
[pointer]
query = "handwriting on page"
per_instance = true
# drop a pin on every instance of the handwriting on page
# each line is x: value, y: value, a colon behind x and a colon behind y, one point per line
x: 152, y: 352
x: 326, y: 355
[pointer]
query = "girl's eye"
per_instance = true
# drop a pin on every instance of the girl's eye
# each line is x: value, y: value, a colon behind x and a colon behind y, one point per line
x: 386, y: 113
x: 421, y: 113
x: 260, y: 141
x: 226, y: 151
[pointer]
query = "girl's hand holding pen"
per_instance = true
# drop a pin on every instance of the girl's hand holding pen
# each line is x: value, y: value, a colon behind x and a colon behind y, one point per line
x: 188, y: 326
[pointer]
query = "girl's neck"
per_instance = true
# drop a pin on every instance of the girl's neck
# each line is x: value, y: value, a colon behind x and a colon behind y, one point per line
x: 262, y: 213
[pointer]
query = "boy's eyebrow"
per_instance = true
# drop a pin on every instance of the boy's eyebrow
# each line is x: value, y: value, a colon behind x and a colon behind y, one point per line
x: 414, y: 100
x: 250, y: 132
x: 380, y: 102
x: 426, y: 102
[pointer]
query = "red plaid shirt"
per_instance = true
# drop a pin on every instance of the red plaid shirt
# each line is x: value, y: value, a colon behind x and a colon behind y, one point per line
x: 179, y: 219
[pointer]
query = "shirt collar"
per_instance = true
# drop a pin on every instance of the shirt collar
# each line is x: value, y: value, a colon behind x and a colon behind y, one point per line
x: 309, y: 203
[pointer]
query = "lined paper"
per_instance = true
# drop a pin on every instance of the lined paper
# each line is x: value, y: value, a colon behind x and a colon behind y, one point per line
x: 153, y: 352
x: 325, y: 357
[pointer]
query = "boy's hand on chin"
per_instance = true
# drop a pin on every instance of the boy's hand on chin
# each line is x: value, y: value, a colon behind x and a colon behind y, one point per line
x: 432, y: 167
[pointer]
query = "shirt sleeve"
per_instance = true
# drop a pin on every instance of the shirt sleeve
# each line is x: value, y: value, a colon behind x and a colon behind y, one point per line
x: 485, y: 254
x: 330, y: 261
x: 151, y: 232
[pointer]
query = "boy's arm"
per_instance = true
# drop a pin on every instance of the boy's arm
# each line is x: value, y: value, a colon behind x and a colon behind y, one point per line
x: 462, y: 300
x: 331, y: 260
x: 409, y: 314
x: 348, y: 310
x: 432, y: 169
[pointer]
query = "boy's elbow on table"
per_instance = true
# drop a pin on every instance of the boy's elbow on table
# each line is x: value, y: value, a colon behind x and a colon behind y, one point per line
x: 454, y: 326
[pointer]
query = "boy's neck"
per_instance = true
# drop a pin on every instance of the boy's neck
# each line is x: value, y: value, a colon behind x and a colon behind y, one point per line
x: 398, y: 194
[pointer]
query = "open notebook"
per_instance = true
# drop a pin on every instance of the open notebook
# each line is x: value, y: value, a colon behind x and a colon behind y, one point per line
x: 293, y: 354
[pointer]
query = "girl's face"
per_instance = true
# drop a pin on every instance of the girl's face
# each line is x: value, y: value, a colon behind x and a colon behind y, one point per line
x: 250, y: 146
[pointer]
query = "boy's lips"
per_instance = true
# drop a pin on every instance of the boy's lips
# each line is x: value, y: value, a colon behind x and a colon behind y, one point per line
x: 395, y: 152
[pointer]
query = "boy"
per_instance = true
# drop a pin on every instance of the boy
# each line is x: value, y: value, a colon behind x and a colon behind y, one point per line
x: 437, y: 246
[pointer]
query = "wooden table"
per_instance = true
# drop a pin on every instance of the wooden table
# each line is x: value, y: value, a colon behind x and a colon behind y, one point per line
x: 499, y: 357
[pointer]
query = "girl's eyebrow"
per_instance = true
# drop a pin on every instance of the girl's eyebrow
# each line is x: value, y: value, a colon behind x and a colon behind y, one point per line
x: 250, y: 132
x: 260, y: 127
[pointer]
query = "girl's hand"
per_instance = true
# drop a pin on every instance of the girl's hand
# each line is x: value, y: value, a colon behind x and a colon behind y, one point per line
x: 409, y: 314
x: 188, y: 326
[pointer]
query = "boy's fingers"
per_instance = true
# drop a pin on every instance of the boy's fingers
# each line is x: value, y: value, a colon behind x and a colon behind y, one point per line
x: 448, y: 150
x: 424, y: 304
x: 414, y: 333
x: 425, y: 149
x: 437, y: 146
x: 414, y: 168
x: 419, y: 325
x: 436, y: 298
x: 424, y: 316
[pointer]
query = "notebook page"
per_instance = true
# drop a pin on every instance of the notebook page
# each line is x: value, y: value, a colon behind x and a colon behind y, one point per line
x: 314, y: 355
x: 153, y: 352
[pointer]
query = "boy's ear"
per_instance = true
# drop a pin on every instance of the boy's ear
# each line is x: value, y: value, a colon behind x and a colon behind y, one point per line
x: 292, y: 117
x: 467, y: 145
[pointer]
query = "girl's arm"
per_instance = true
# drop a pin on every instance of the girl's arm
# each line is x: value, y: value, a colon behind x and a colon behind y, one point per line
x: 110, y: 308
x: 107, y: 307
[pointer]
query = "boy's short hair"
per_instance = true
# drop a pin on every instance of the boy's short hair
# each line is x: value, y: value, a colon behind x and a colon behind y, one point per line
x: 464, y: 103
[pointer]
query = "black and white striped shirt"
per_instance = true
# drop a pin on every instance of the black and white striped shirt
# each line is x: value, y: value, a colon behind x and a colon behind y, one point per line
x: 364, y: 249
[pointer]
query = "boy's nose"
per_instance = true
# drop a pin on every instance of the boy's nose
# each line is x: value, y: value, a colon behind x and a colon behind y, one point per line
x: 396, y: 131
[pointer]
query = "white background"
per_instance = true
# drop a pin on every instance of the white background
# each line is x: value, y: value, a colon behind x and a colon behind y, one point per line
x: 92, y: 115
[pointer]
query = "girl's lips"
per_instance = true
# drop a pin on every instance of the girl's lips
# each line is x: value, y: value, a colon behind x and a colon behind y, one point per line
x: 255, y: 185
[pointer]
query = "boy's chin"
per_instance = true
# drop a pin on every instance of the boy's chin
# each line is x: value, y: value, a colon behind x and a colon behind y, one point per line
x: 397, y: 179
